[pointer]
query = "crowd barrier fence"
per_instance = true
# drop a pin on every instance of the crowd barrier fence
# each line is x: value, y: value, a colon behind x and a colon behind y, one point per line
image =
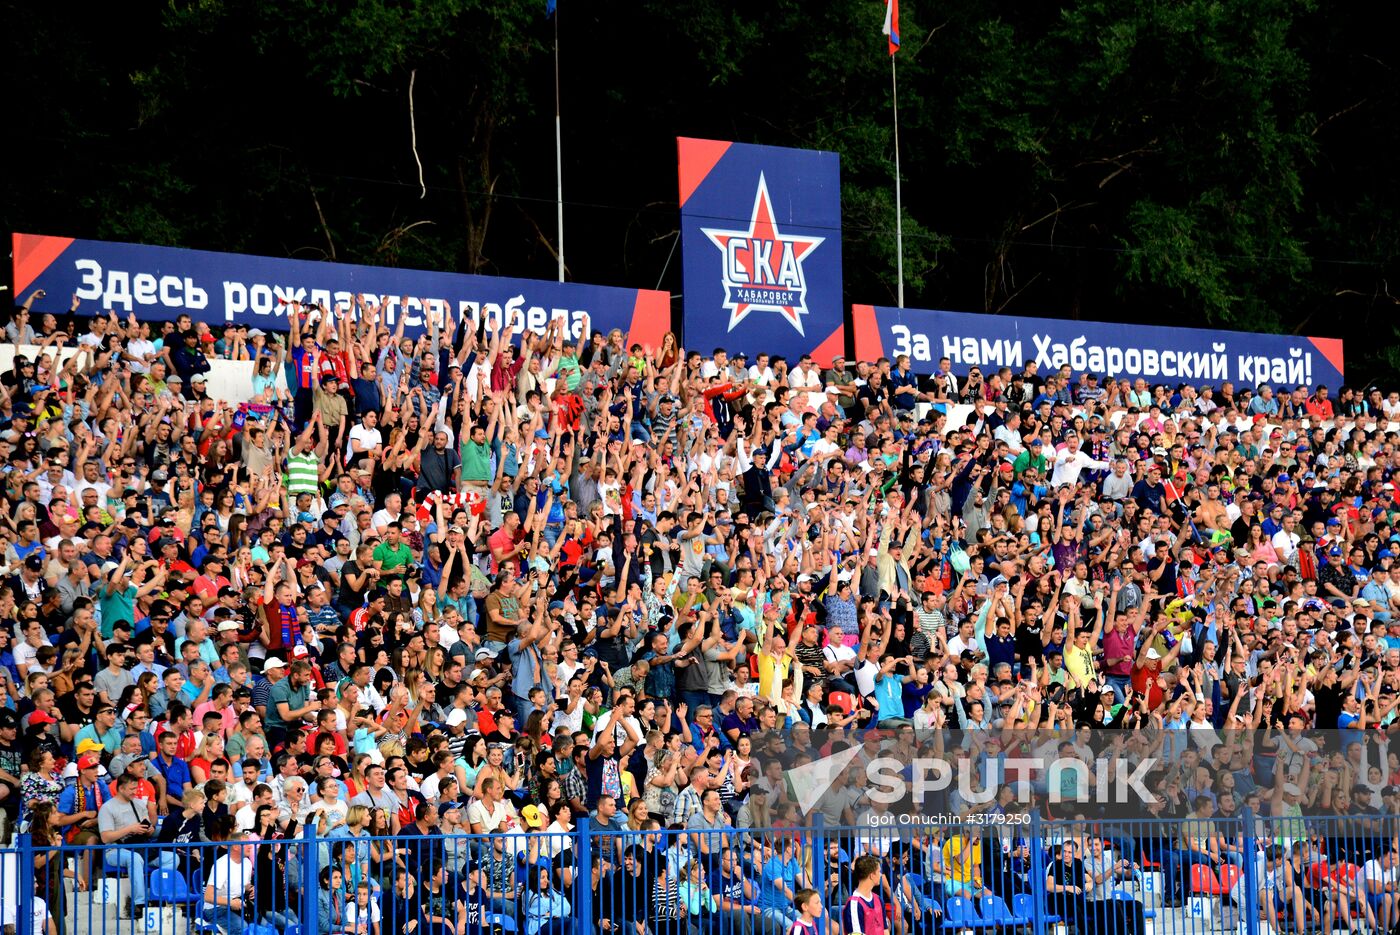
x: 1243, y: 875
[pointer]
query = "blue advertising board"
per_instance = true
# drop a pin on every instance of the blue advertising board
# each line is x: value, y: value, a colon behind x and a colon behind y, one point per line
x: 161, y: 283
x: 761, y: 237
x: 1156, y: 353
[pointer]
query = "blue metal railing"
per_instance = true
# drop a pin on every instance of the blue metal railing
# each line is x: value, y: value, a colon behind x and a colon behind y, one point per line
x: 1239, y: 874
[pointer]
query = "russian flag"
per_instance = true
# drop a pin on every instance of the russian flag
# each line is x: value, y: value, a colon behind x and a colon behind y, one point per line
x: 891, y: 27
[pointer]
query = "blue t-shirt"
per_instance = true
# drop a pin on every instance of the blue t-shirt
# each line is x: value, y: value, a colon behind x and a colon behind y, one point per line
x: 176, y: 773
x: 903, y: 400
x: 889, y: 696
x: 769, y: 896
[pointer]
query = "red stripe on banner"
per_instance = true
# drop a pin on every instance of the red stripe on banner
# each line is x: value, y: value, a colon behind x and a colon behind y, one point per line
x: 651, y: 318
x: 1330, y: 348
x: 696, y: 158
x: 836, y: 344
x: 33, y: 254
x: 869, y: 346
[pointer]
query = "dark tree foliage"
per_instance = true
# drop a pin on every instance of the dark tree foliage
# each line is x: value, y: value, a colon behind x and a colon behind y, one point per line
x: 1216, y: 163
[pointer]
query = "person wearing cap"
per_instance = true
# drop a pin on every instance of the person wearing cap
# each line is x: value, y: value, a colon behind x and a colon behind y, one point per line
x: 103, y: 730
x: 79, y: 804
x: 329, y: 404
x: 840, y: 383
x: 135, y: 763
x: 11, y: 762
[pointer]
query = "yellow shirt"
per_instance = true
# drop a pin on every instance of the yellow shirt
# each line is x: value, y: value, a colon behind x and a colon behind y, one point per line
x: 772, y: 672
x: 1080, y: 665
x: 962, y: 859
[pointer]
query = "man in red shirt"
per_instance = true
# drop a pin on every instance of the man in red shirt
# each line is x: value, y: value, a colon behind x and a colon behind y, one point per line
x: 211, y: 579
x: 1150, y: 664
x: 505, y: 542
x: 362, y: 617
x: 1118, y: 654
x: 1319, y: 406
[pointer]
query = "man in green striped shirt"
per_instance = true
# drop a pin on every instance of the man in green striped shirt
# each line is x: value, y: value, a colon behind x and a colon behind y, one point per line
x: 303, y: 468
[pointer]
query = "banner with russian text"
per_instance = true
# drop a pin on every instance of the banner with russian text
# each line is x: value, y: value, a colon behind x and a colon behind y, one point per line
x: 761, y: 235
x: 161, y: 283
x: 1154, y: 352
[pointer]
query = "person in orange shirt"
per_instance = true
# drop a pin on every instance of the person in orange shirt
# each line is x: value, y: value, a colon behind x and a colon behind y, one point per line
x: 1318, y: 405
x: 143, y: 794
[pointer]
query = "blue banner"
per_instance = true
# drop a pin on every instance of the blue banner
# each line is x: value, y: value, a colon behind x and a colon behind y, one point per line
x: 1157, y: 354
x: 761, y: 234
x: 161, y: 283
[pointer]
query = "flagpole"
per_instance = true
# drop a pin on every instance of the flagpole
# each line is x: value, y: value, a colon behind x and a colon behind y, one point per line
x: 898, y: 207
x: 558, y: 151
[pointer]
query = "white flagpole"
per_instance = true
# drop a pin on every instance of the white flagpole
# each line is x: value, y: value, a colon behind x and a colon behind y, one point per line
x: 898, y: 208
x: 558, y: 151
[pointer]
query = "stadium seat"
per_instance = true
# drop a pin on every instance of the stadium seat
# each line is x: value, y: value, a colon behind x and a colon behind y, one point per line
x: 842, y: 700
x: 168, y: 886
x: 994, y: 909
x: 507, y: 923
x: 1125, y: 896
x: 1229, y: 876
x: 1023, y: 907
x: 959, y: 912
x: 1204, y: 881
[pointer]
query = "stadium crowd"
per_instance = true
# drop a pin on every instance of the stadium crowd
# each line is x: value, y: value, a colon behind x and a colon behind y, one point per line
x: 480, y: 582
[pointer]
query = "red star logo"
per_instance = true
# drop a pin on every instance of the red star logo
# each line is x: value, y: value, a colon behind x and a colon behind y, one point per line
x: 762, y: 267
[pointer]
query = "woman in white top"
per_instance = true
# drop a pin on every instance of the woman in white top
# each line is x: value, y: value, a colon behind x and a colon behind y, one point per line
x: 329, y: 809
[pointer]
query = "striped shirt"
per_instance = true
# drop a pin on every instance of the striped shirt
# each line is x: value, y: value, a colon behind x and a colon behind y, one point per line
x: 324, y: 617
x: 862, y: 916
x: 303, y: 473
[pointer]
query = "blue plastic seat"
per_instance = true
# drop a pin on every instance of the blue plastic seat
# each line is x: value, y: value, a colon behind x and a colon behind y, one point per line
x: 507, y: 923
x: 959, y: 912
x: 168, y: 886
x: 994, y: 909
x: 1125, y: 896
x: 1021, y: 905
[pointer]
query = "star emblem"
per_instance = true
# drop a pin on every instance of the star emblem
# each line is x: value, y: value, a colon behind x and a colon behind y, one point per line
x: 762, y: 267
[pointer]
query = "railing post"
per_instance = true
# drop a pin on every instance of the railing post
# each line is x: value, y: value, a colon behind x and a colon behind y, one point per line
x: 24, y: 911
x: 819, y: 865
x: 1037, y: 880
x: 1251, y: 882
x: 310, y: 879
x: 583, y: 923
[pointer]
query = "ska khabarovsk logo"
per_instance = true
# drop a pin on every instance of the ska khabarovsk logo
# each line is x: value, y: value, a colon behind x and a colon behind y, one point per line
x: 763, y: 267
